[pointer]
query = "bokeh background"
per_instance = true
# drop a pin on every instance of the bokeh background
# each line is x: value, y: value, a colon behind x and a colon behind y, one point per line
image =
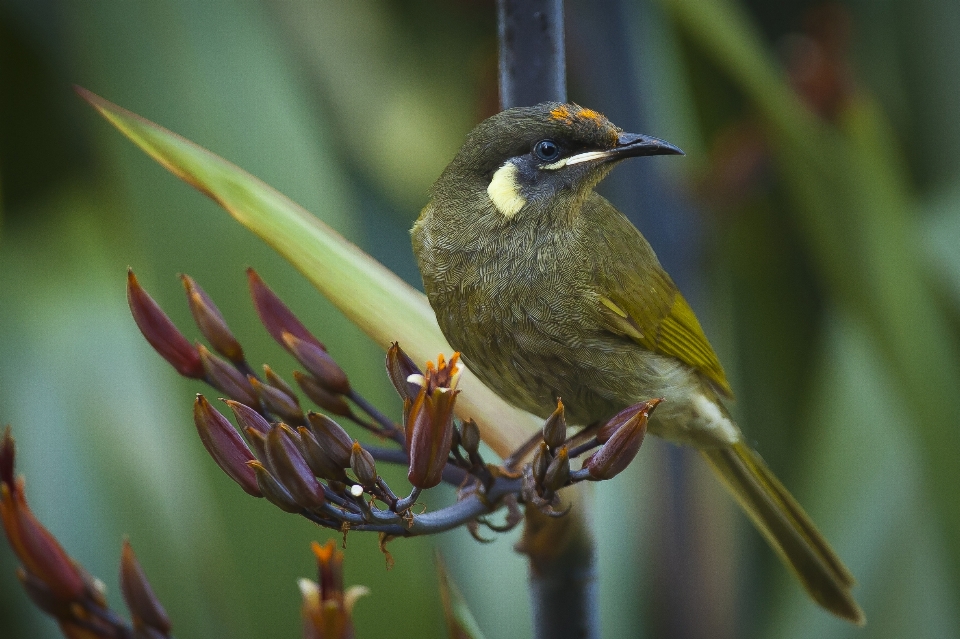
x: 814, y: 225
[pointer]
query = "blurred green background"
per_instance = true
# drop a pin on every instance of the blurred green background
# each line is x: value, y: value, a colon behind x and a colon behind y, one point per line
x: 814, y: 225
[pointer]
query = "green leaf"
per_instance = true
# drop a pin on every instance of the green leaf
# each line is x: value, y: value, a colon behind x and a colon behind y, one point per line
x: 460, y: 621
x: 385, y: 307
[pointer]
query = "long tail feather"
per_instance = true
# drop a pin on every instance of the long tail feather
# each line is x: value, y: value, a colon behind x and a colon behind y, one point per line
x: 787, y: 527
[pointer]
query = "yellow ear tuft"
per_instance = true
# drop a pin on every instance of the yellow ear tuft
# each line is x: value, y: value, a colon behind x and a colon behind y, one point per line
x: 504, y: 191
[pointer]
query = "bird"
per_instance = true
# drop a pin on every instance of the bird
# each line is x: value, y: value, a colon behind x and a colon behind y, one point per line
x: 548, y: 291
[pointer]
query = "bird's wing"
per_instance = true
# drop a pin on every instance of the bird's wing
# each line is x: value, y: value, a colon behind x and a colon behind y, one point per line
x: 640, y: 301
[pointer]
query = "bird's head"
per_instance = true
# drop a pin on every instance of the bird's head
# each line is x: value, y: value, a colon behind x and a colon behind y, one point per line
x: 540, y: 158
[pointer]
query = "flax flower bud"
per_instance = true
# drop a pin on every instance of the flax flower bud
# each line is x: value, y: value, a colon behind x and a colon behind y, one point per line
x: 275, y: 492
x: 363, y: 465
x: 225, y: 445
x: 276, y: 401
x: 623, y: 444
x: 330, y: 402
x: 248, y: 417
x: 558, y: 472
x: 317, y: 458
x: 227, y: 379
x: 429, y: 422
x: 287, y: 464
x: 318, y: 363
x: 400, y: 368
x: 555, y: 428
x: 160, y: 331
x: 145, y: 609
x: 210, y: 321
x: 275, y: 315
x: 332, y: 438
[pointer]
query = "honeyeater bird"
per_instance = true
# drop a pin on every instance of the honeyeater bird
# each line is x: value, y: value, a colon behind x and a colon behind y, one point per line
x: 549, y: 292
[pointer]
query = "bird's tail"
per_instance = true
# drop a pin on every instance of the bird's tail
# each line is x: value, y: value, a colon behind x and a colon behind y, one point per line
x: 787, y: 527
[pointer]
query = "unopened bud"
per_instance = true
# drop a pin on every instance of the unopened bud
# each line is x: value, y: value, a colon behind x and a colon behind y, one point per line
x: 257, y: 441
x: 558, y: 472
x: 318, y: 363
x: 332, y: 438
x: 276, y: 381
x: 37, y: 549
x: 623, y: 444
x: 399, y: 368
x: 248, y: 417
x: 555, y: 428
x: 318, y: 459
x: 330, y: 402
x: 273, y: 490
x: 287, y: 464
x: 541, y: 461
x: 227, y: 379
x: 224, y: 444
x: 470, y: 436
x: 210, y: 321
x: 627, y: 414
x: 161, y: 332
x: 274, y: 314
x: 363, y: 465
x: 145, y: 609
x: 276, y: 401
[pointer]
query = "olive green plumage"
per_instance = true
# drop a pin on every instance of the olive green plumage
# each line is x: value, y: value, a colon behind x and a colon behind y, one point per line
x: 548, y: 291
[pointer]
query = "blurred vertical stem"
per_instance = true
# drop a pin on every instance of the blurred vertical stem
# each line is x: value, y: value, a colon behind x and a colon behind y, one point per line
x: 561, y: 551
x: 532, y: 62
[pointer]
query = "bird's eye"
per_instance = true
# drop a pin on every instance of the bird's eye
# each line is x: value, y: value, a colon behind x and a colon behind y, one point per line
x: 547, y: 150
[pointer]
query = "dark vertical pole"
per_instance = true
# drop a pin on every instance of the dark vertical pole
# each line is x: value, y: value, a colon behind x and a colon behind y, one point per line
x: 532, y: 59
x: 563, y: 582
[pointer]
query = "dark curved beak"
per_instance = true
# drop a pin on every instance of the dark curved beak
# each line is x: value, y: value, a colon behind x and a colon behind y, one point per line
x: 631, y: 145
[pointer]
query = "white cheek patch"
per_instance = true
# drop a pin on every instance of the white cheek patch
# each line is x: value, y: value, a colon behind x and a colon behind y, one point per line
x: 504, y: 191
x: 587, y: 157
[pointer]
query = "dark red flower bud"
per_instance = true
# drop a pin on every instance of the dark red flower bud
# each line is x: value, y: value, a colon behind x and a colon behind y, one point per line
x: 287, y: 464
x: 145, y: 609
x: 225, y: 445
x: 275, y: 315
x: 160, y: 331
x: 627, y: 414
x: 330, y: 402
x: 210, y: 321
x: 623, y: 444
x: 332, y: 438
x: 558, y: 472
x: 363, y: 465
x: 38, y: 550
x: 555, y: 428
x: 273, y: 490
x: 318, y: 459
x: 276, y: 401
x: 257, y: 441
x: 399, y: 368
x: 276, y: 381
x: 470, y: 436
x: 248, y: 417
x: 318, y: 363
x: 227, y: 379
